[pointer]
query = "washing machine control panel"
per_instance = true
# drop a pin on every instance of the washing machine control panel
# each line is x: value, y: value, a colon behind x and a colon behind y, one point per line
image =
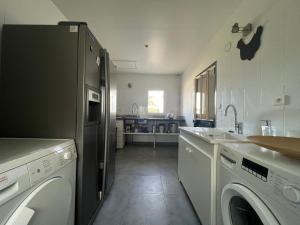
x: 255, y: 169
x: 42, y: 168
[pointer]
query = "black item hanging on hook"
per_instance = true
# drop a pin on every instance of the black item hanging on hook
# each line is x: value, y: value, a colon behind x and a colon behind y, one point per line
x: 247, y: 51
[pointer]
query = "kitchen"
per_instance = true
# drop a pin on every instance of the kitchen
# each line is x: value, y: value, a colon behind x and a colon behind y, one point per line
x: 185, y: 87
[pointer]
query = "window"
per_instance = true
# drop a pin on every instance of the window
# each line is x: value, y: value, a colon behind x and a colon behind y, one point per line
x: 155, y: 101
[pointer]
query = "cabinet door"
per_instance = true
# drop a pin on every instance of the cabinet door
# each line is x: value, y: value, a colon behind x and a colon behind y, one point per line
x: 185, y: 168
x: 195, y: 173
x: 201, y: 187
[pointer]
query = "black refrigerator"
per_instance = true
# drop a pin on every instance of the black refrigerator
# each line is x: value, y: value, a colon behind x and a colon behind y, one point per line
x: 56, y: 83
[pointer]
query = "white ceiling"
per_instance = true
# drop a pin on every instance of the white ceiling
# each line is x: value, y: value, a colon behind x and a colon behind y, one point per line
x: 175, y: 30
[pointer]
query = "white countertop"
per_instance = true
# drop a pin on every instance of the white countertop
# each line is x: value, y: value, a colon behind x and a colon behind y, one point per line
x: 213, y: 135
x: 15, y: 152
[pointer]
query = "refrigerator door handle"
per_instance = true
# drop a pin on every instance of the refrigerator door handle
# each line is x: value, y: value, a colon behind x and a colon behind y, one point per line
x: 107, y: 115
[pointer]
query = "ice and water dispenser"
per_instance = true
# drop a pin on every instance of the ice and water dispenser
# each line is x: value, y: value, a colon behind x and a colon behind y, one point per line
x: 93, y: 112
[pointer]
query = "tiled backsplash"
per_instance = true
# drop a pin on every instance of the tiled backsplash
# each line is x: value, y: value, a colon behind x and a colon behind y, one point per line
x: 252, y: 86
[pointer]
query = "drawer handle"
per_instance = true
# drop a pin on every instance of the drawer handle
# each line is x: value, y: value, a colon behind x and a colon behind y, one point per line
x: 189, y: 150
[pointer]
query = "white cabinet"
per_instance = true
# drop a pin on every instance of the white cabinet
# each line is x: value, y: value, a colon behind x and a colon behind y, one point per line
x: 197, y: 174
x: 120, y: 134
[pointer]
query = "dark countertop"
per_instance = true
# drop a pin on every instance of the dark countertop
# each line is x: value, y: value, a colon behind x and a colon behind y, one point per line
x: 126, y: 117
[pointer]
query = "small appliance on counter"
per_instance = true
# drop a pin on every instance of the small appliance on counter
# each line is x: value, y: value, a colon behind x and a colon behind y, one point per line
x: 169, y: 116
x: 153, y: 128
x: 127, y: 129
x: 136, y: 129
x: 173, y: 128
x: 267, y: 129
x: 161, y: 128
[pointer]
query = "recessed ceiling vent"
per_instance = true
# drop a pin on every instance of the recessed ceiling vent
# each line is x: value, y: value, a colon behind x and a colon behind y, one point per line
x: 125, y: 64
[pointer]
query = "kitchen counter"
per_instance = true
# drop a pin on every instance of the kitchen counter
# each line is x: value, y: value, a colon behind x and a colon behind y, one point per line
x: 150, y: 129
x: 197, y: 166
x: 135, y: 117
x: 150, y: 118
x: 214, y: 135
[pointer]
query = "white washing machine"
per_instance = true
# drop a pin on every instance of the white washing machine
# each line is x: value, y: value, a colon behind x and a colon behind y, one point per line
x: 37, y: 181
x: 257, y: 186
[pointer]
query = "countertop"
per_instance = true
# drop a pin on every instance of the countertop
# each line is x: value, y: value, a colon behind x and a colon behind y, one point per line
x: 213, y: 135
x: 179, y: 118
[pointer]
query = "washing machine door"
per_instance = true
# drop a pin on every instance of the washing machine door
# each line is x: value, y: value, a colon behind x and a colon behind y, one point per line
x: 48, y: 204
x: 241, y: 206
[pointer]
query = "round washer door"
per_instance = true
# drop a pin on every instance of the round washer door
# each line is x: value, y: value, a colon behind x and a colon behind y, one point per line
x: 48, y: 204
x: 240, y: 206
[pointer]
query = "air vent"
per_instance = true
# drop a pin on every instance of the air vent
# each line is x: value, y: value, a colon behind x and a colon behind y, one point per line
x: 125, y: 64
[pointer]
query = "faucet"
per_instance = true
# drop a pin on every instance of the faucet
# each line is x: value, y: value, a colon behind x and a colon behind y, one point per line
x: 237, y: 125
x: 134, y: 109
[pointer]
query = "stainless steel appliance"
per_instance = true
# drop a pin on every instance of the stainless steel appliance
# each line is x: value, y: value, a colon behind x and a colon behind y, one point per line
x: 55, y: 83
x: 161, y: 128
x: 173, y: 127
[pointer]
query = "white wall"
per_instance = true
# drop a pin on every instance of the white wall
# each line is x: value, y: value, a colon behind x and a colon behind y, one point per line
x: 253, y: 85
x: 28, y: 12
x: 138, y: 94
x: 31, y: 12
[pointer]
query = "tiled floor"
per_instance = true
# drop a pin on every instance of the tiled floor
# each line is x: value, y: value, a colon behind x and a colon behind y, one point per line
x: 146, y: 190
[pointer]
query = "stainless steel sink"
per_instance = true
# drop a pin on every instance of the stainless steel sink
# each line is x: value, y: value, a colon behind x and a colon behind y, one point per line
x: 224, y: 137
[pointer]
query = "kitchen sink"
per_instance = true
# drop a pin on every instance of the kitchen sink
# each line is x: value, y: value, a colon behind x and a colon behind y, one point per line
x: 223, y: 137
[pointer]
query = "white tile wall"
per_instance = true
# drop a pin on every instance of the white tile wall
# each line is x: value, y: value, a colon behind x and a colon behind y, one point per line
x: 252, y: 85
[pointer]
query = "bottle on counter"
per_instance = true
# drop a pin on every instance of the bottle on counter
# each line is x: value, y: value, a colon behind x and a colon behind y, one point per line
x: 267, y: 129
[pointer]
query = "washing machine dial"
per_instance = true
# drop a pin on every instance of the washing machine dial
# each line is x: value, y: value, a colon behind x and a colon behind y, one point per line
x: 67, y: 155
x: 291, y: 193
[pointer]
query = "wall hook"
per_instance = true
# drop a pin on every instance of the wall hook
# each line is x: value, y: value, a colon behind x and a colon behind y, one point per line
x: 244, y: 30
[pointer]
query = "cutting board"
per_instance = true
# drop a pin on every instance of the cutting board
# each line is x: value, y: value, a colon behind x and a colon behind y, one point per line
x: 288, y: 146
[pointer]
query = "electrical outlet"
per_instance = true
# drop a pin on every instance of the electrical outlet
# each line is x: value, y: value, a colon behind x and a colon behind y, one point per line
x: 280, y: 100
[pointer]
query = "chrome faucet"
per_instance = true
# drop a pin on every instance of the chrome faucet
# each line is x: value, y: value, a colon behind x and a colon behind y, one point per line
x: 135, y: 109
x: 237, y: 125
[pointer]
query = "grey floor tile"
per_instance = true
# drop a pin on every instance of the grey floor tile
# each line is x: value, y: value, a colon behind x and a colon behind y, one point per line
x: 171, y: 185
x: 155, y: 210
x: 180, y: 210
x: 147, y: 185
x: 146, y: 190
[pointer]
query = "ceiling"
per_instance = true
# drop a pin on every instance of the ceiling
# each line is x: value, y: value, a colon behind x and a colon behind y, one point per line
x: 174, y: 30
